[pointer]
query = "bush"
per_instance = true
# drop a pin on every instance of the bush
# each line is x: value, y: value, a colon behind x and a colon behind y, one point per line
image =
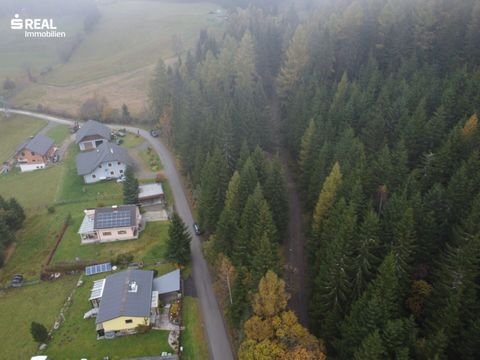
x: 51, y: 209
x: 39, y: 332
x: 123, y: 259
x: 143, y: 329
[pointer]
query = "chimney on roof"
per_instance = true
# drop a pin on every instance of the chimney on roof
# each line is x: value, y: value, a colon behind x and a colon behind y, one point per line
x: 132, y: 287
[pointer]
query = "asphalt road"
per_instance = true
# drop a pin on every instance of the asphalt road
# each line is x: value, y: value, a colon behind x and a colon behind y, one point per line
x: 218, y: 342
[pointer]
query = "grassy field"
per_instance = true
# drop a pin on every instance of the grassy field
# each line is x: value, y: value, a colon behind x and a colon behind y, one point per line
x: 150, y: 246
x: 19, y: 307
x: 59, y: 133
x: 76, y: 338
x: 112, y: 54
x: 13, y: 134
x: 193, y: 338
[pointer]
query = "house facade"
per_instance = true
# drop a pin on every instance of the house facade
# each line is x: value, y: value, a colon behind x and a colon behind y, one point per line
x: 108, y: 161
x: 91, y: 135
x: 35, y: 153
x: 110, y: 224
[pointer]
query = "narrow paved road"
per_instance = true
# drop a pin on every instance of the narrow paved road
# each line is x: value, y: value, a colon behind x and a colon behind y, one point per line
x: 218, y: 342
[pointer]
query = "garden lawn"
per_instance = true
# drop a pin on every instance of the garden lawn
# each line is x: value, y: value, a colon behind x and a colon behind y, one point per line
x: 131, y: 141
x: 59, y: 133
x: 19, y: 307
x: 150, y: 159
x: 149, y: 247
x: 72, y: 189
x: 14, y: 131
x: 193, y: 337
x: 77, y: 339
x: 34, y: 189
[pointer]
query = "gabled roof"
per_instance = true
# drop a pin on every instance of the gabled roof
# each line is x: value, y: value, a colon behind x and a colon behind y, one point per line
x: 90, y: 128
x: 88, y: 161
x: 39, y: 144
x: 118, y: 301
x: 167, y: 283
x: 115, y: 216
x: 150, y: 190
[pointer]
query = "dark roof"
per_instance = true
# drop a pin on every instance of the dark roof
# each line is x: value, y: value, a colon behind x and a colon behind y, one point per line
x: 88, y: 161
x: 39, y: 144
x: 167, y: 283
x: 117, y: 300
x: 92, y: 127
x: 115, y: 216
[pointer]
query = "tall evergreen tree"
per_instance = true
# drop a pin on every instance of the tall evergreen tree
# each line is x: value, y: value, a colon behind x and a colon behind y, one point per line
x: 178, y: 244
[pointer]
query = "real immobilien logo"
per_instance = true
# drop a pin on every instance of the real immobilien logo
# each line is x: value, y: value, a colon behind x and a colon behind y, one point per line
x: 36, y: 28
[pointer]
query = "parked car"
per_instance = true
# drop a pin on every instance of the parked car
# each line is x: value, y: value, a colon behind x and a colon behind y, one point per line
x: 55, y: 158
x: 121, y: 179
x: 17, y: 280
x: 154, y: 133
x: 119, y: 141
x: 121, y: 132
x: 197, y: 229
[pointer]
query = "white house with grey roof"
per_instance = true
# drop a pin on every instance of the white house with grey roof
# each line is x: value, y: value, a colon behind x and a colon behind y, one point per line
x: 91, y: 135
x: 108, y: 161
x: 127, y: 299
x: 109, y: 224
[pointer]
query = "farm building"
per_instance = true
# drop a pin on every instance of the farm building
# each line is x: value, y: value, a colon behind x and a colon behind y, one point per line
x: 91, y: 135
x: 35, y: 153
x: 110, y: 224
x: 108, y: 161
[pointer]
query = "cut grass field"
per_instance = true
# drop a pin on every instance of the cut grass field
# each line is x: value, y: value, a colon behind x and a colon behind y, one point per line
x: 77, y: 339
x: 14, y: 130
x: 19, y: 307
x: 193, y: 338
x: 115, y: 53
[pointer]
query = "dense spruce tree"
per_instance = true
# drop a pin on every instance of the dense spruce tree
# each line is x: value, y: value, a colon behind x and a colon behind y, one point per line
x: 39, y: 332
x: 178, y: 244
x: 130, y: 187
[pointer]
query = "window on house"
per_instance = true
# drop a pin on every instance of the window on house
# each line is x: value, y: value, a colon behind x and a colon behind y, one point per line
x: 109, y: 164
x: 94, y: 176
x: 122, y: 232
x: 33, y: 153
x: 34, y: 160
x: 106, y: 233
x: 111, y: 172
x: 118, y: 162
x: 23, y: 153
x: 128, y: 321
x: 121, y: 171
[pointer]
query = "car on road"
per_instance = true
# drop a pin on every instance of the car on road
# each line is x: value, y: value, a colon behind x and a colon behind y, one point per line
x: 55, y: 158
x: 154, y: 133
x: 197, y: 229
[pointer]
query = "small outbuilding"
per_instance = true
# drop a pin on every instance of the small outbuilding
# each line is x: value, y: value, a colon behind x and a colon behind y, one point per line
x: 151, y: 194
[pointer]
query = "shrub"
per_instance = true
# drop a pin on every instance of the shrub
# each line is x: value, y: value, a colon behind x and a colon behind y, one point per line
x: 39, y: 332
x: 51, y: 209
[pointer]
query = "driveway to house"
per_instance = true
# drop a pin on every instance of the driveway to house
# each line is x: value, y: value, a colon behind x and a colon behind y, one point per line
x: 218, y: 342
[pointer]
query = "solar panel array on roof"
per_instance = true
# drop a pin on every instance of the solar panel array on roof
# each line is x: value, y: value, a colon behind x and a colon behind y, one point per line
x: 97, y: 269
x: 119, y: 218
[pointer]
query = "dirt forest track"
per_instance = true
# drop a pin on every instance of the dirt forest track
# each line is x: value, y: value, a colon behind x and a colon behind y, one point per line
x: 295, y: 265
x: 218, y: 342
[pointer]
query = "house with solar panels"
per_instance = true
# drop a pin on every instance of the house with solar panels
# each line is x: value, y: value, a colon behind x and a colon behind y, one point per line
x: 109, y: 224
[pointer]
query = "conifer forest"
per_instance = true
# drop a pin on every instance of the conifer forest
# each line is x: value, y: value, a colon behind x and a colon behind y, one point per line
x: 367, y: 109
